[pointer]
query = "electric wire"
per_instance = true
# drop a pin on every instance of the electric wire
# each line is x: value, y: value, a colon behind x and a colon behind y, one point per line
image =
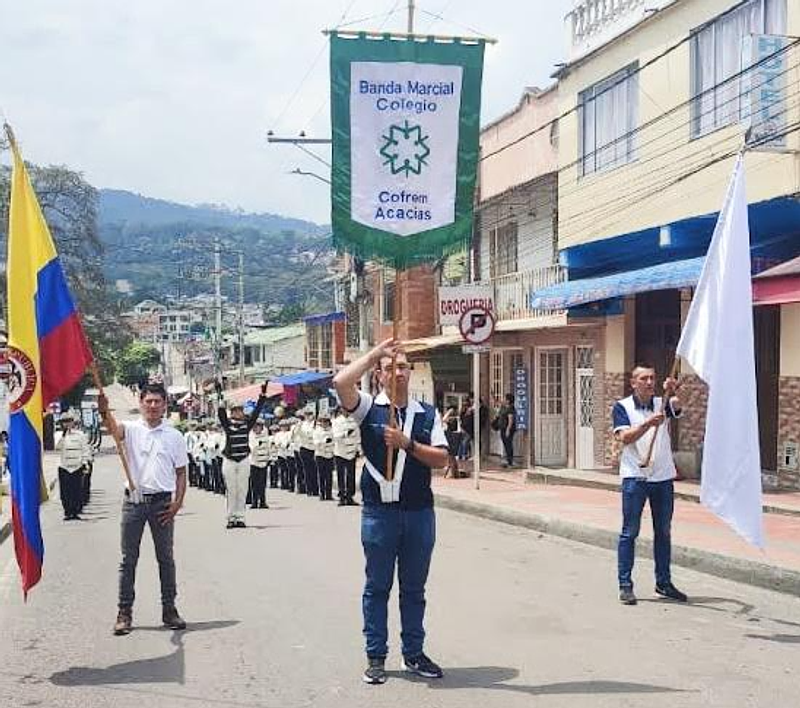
x: 676, y: 145
x: 626, y: 77
x: 626, y: 189
x: 309, y: 71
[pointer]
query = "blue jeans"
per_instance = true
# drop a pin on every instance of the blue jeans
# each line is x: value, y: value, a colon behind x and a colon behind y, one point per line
x: 634, y: 494
x: 392, y: 536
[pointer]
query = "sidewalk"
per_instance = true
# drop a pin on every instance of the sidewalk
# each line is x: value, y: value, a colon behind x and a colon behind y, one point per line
x: 50, y: 465
x: 586, y: 508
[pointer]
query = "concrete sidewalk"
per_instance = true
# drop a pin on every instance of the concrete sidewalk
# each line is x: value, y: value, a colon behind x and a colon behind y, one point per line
x: 787, y: 503
x: 592, y: 515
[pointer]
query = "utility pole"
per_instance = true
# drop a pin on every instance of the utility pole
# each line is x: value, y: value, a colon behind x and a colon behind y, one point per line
x: 411, y: 16
x: 218, y: 306
x: 241, y: 318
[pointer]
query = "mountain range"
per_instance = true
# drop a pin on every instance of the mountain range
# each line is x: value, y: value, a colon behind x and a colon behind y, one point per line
x: 160, y: 249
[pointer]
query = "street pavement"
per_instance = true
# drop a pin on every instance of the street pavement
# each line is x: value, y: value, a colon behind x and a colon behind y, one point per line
x: 516, y: 618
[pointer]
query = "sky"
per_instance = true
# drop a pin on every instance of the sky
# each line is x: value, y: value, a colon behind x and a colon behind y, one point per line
x: 173, y: 98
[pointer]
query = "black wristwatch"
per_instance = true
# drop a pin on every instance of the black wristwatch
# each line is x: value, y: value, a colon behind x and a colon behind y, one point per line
x: 411, y: 446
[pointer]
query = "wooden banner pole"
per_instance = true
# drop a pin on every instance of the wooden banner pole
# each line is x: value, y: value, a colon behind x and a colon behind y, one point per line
x: 664, y: 402
x: 120, y: 450
x: 393, y: 377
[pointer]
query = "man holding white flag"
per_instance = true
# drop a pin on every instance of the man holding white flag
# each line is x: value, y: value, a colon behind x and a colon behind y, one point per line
x: 717, y: 342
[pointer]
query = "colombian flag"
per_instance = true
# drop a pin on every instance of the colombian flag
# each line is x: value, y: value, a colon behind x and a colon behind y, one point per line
x: 47, y: 352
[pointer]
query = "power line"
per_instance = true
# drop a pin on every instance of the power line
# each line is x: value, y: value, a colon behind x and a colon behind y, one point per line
x: 616, y: 83
x: 310, y: 69
x: 670, y: 147
x: 643, y: 195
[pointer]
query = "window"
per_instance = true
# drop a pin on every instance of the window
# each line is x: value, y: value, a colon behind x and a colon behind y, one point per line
x: 608, y: 113
x: 496, y: 377
x: 503, y: 250
x: 313, y: 342
x: 717, y: 56
x: 388, y: 295
x: 326, y: 346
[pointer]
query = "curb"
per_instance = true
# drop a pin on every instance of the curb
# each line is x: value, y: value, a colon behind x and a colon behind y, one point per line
x: 5, y: 529
x: 739, y: 570
x: 537, y: 477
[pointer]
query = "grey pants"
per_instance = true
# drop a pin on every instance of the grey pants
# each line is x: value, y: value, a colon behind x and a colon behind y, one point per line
x: 134, y: 518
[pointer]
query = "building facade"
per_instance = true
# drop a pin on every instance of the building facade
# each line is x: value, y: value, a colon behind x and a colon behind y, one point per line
x: 657, y: 100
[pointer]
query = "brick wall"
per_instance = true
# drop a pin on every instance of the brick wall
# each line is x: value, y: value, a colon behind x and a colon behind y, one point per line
x: 788, y: 427
x: 613, y: 390
x: 692, y: 426
x: 339, y: 341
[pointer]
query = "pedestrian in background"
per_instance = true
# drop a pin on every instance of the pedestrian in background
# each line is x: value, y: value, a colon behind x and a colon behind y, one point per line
x: 346, y: 446
x: 507, y: 421
x: 323, y: 457
x: 236, y: 453
x: 259, y: 462
x: 73, y: 446
x: 450, y: 423
x: 157, y: 461
x: 304, y: 437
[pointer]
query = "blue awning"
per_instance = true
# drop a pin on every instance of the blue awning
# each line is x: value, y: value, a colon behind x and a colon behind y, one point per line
x: 324, y: 319
x: 665, y: 276
x: 302, y: 377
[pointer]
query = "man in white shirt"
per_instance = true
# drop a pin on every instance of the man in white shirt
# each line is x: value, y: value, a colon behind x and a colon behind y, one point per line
x: 323, y: 457
x: 647, y: 470
x: 157, y: 460
x: 346, y: 444
x: 260, y: 454
x: 74, y: 448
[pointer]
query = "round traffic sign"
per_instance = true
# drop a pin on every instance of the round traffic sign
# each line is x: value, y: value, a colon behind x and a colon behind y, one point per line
x: 476, y: 325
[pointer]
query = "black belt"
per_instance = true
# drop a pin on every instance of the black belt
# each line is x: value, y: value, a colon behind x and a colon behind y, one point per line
x: 152, y: 498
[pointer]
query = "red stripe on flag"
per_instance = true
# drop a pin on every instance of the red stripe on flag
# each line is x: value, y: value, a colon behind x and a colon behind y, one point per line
x: 30, y: 565
x: 64, y: 355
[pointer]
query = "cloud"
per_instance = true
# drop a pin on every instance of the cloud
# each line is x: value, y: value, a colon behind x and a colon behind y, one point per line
x: 173, y: 98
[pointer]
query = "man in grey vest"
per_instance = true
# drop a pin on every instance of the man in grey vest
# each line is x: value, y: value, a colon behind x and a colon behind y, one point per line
x: 398, y: 527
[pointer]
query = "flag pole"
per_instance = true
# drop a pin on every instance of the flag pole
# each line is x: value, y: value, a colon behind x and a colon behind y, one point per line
x: 664, y: 403
x: 393, y: 377
x: 120, y: 450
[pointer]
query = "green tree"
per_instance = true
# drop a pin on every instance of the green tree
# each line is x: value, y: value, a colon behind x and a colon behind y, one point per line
x: 136, y: 361
x: 69, y: 204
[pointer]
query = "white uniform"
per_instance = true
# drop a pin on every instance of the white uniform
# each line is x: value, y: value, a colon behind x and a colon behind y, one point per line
x: 260, y: 449
x: 323, y: 442
x: 346, y: 437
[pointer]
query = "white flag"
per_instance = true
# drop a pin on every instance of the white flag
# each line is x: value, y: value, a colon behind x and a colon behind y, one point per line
x: 717, y: 341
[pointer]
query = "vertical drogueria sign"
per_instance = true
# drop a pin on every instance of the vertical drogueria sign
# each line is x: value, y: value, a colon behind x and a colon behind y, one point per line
x: 406, y: 121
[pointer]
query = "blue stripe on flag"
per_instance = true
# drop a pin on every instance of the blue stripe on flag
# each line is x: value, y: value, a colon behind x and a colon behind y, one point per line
x: 25, y: 465
x: 53, y: 300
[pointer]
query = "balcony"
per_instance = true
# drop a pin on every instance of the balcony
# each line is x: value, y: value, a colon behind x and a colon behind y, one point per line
x: 512, y: 292
x: 593, y: 23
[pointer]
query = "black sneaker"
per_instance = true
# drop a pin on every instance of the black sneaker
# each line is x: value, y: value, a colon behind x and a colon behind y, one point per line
x: 671, y: 592
x: 375, y: 673
x: 626, y: 596
x: 422, y: 666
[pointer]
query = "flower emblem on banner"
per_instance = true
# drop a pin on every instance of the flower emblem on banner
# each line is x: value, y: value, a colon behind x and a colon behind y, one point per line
x: 405, y: 149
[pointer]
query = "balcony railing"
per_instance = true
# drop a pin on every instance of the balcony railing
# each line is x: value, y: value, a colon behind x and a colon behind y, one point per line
x: 592, y: 23
x: 512, y: 293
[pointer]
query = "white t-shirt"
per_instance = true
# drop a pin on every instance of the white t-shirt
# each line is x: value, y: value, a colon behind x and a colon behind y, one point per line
x: 153, y: 455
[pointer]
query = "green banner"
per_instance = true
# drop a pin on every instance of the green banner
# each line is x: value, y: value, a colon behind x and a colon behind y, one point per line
x: 406, y: 122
